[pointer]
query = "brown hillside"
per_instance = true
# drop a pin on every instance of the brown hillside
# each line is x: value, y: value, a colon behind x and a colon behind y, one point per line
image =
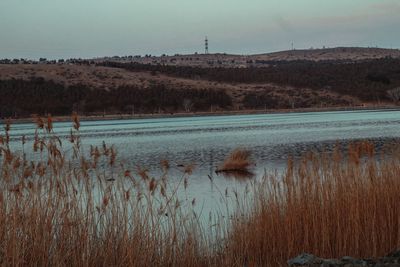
x: 109, y: 78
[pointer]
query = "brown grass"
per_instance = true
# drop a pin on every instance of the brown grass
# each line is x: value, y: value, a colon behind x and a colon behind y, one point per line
x: 64, y: 209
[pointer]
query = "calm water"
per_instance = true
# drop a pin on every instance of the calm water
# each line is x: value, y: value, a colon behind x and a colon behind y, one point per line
x: 206, y: 141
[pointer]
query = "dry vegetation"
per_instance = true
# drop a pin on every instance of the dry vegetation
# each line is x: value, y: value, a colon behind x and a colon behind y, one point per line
x: 97, y: 77
x: 238, y: 161
x: 330, y: 205
x: 66, y: 208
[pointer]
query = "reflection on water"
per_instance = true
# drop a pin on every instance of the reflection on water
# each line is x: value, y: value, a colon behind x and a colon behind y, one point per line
x: 238, y: 175
x: 204, y: 142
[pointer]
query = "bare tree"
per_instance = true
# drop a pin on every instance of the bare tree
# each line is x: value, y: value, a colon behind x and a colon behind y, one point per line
x: 79, y: 107
x: 187, y: 104
x: 394, y: 94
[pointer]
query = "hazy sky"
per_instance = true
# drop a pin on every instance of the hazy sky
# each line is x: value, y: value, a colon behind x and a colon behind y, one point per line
x: 90, y: 28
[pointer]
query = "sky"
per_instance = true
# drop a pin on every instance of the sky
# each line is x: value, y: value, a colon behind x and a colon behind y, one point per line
x: 94, y: 28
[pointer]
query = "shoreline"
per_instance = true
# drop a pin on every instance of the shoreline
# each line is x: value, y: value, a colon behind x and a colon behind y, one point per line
x: 206, y: 113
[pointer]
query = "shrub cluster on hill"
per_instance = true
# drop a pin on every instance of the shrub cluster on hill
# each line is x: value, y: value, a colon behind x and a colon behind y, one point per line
x: 367, y: 80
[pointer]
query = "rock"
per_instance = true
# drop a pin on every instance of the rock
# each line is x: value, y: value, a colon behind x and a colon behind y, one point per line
x: 369, y: 262
x: 381, y: 264
x: 353, y: 261
x: 387, y: 260
x: 347, y: 259
x: 331, y: 262
x: 303, y: 259
x: 394, y: 254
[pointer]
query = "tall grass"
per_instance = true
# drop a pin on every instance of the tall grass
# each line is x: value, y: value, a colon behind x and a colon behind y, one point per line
x: 330, y: 205
x: 65, y: 207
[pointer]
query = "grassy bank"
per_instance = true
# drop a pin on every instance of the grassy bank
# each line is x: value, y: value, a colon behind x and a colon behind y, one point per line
x: 67, y: 207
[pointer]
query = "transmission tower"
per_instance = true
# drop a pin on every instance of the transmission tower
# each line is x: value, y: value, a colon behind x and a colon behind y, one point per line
x: 206, y: 45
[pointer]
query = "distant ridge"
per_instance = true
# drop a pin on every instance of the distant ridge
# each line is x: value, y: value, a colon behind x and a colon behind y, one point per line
x: 337, y: 53
x: 351, y: 54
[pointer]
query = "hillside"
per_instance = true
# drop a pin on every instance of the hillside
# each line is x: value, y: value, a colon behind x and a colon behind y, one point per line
x: 21, y: 84
x: 115, y: 86
x: 367, y: 80
x: 348, y: 54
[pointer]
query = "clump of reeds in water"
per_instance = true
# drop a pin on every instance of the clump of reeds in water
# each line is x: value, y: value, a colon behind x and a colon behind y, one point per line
x: 239, y: 161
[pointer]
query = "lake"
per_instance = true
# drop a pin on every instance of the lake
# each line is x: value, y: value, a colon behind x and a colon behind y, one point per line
x: 206, y: 141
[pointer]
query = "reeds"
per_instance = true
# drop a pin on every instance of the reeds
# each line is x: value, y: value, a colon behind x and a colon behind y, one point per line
x: 238, y: 161
x: 330, y: 205
x: 61, y: 208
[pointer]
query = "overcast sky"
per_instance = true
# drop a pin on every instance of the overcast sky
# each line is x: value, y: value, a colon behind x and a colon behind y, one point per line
x: 91, y: 28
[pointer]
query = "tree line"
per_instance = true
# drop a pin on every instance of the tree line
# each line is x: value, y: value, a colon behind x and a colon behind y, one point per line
x: 23, y: 98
